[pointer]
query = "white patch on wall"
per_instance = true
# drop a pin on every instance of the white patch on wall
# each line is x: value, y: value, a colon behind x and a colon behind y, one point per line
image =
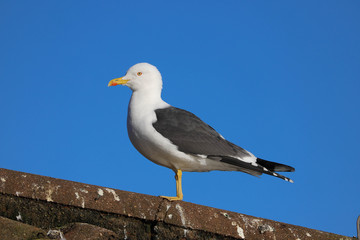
x: 116, y: 197
x: 82, y: 199
x: 239, y: 230
x: 100, y: 192
x: 181, y: 213
x: 84, y: 190
x: 49, y: 191
x: 18, y: 217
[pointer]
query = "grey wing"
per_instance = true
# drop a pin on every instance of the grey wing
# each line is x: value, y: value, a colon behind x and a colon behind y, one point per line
x: 192, y: 135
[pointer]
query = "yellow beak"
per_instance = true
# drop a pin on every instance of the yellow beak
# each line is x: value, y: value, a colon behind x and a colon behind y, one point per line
x: 117, y: 81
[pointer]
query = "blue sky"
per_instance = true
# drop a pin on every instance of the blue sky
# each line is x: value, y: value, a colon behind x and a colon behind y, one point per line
x: 279, y: 78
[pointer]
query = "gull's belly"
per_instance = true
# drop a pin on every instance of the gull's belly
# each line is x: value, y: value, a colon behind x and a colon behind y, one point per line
x: 154, y: 146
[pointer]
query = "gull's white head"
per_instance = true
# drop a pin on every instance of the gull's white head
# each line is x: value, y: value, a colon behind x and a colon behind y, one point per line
x: 140, y: 76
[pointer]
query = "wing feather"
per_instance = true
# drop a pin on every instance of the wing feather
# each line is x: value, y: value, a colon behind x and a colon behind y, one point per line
x: 192, y: 135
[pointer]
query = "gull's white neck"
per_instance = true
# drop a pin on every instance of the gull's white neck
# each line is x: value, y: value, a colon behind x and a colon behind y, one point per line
x: 143, y: 102
x: 146, y: 99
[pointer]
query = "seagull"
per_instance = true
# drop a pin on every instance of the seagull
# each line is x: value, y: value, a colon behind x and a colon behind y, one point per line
x: 178, y: 139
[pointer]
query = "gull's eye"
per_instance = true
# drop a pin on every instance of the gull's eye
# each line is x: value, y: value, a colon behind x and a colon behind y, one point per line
x: 139, y: 73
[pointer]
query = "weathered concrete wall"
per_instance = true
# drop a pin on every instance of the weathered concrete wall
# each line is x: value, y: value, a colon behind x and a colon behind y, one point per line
x: 63, y: 206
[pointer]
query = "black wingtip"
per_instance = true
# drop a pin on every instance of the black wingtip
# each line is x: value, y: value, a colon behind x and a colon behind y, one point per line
x: 274, y: 167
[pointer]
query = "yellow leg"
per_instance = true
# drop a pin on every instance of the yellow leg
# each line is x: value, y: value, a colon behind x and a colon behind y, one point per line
x: 179, y: 194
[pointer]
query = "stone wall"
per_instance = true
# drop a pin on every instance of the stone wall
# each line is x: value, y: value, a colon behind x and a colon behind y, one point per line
x: 38, y: 207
